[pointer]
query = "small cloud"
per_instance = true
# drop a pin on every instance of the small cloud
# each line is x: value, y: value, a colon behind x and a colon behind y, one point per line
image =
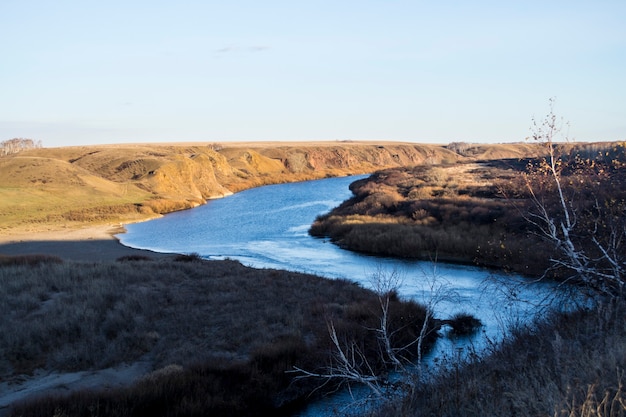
x: 229, y: 49
x: 258, y: 48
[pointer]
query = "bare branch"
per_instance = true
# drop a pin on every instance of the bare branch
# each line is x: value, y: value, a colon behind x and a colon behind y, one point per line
x: 348, y: 364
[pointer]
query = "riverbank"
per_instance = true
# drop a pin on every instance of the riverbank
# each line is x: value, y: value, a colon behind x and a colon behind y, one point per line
x: 452, y: 213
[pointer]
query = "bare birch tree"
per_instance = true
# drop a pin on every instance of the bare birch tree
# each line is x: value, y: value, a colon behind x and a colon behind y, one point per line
x: 588, y: 235
x: 16, y: 145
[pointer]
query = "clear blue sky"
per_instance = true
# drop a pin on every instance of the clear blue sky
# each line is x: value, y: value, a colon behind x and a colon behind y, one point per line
x: 85, y: 72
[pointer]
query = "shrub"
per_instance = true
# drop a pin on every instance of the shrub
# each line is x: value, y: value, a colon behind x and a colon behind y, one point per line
x: 464, y: 324
x: 133, y: 258
x: 191, y: 257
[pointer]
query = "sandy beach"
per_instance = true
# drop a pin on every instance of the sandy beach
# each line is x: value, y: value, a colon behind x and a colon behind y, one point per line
x: 89, y: 244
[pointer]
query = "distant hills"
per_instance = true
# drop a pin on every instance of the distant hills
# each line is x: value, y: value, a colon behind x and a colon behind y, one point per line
x: 72, y: 186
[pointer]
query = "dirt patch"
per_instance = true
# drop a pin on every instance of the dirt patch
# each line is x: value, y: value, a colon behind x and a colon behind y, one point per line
x: 50, y: 383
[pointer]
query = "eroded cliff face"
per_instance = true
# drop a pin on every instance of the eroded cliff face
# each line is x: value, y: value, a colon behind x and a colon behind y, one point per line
x: 162, y: 178
x: 359, y: 157
x: 189, y: 178
x: 199, y: 173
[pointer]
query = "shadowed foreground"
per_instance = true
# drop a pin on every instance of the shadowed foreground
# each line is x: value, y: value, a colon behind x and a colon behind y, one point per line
x: 200, y: 337
x: 92, y: 250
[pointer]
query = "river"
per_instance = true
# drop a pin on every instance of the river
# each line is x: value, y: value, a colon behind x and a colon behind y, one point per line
x: 267, y: 227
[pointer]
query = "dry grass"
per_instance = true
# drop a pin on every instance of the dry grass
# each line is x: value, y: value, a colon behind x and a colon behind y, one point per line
x: 230, y: 331
x: 38, y: 191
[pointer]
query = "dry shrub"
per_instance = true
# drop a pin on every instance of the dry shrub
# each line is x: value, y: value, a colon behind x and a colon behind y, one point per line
x: 134, y: 258
x: 190, y: 257
x: 595, y: 403
x: 464, y: 324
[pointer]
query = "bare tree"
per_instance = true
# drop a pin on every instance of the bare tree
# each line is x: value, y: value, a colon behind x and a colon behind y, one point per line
x: 16, y: 145
x: 435, y: 290
x: 462, y: 148
x: 350, y: 364
x: 385, y: 285
x: 588, y: 234
x: 215, y: 146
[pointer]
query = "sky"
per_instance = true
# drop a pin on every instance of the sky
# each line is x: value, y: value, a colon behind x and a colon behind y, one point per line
x: 79, y: 72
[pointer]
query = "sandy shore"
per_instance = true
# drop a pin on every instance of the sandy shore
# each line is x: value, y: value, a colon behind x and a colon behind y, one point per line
x: 90, y: 244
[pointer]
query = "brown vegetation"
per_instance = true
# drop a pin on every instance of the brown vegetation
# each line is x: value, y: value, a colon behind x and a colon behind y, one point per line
x: 222, y: 335
x: 452, y: 213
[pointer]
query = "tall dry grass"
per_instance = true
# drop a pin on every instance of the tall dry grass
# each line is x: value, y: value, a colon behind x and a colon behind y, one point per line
x: 228, y: 332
